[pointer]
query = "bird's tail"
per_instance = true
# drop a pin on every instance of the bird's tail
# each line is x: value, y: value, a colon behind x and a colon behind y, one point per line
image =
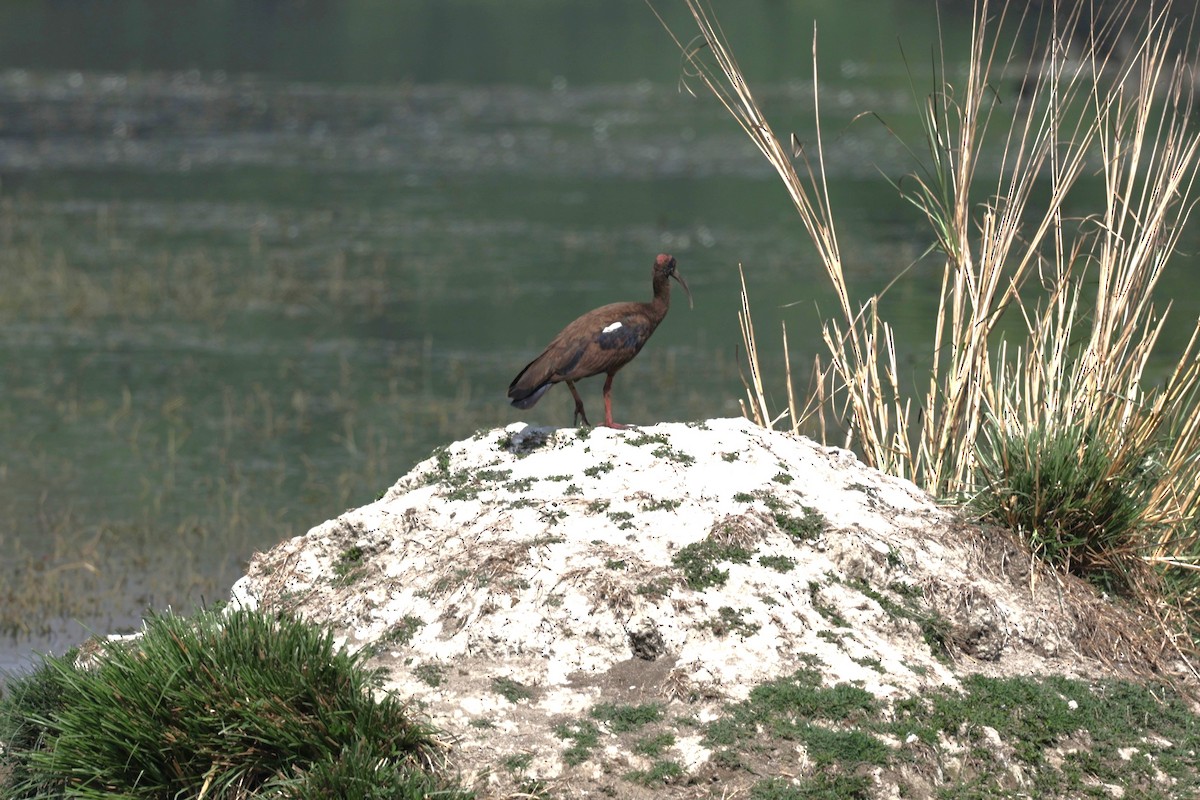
x: 529, y: 386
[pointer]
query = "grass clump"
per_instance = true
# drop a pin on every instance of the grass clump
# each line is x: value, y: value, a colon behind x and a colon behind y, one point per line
x: 822, y: 787
x: 731, y: 620
x: 777, y: 563
x: 699, y: 562
x: 464, y: 484
x: 518, y: 762
x: 235, y: 705
x: 799, y: 708
x: 403, y: 631
x: 654, y: 746
x: 664, y: 450
x: 824, y: 608
x: 655, y: 589
x: 432, y: 675
x: 534, y: 789
x: 1123, y: 724
x: 467, y: 485
x: 809, y: 525
x: 525, y: 444
x: 1058, y: 736
x: 1076, y: 507
x: 624, y: 718
x: 599, y: 469
x: 583, y: 735
x: 660, y: 505
x: 349, y: 566
x: 935, y: 630
x: 670, y: 453
x: 643, y: 439
x: 662, y: 772
x: 511, y: 690
x: 624, y: 519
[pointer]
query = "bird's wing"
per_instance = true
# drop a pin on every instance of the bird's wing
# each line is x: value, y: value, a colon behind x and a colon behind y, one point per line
x: 628, y: 333
x: 602, y: 345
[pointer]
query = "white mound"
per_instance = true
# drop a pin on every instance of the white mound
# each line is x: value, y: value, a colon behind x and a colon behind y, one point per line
x: 516, y: 579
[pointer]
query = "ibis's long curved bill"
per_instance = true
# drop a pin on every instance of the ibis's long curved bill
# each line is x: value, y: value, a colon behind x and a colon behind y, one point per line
x: 683, y: 283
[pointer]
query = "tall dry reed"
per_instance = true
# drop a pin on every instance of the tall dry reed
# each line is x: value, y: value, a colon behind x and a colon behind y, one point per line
x: 1116, y: 104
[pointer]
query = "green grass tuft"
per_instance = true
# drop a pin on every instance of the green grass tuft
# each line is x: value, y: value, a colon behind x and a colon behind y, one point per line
x: 660, y: 505
x: 403, y: 631
x: 672, y: 454
x: 935, y: 630
x: 820, y: 787
x: 731, y: 620
x: 1077, y: 506
x: 643, y: 439
x: 349, y: 566
x: 809, y: 525
x: 430, y: 674
x: 245, y: 703
x: 624, y: 519
x: 654, y: 746
x: 584, y: 736
x: 778, y: 563
x: 699, y: 562
x: 662, y: 772
x: 511, y: 690
x: 518, y: 762
x: 621, y: 719
x: 598, y: 469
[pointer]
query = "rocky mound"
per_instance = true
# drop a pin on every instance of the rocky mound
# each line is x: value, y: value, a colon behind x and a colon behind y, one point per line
x: 540, y: 593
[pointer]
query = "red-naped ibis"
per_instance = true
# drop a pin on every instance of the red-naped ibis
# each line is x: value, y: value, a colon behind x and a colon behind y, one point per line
x: 603, y: 340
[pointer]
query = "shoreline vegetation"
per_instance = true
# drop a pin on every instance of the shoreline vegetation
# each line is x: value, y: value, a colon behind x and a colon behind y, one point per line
x: 224, y: 705
x: 1057, y: 435
x: 260, y: 704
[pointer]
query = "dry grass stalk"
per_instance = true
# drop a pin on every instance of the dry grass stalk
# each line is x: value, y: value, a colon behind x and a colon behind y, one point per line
x: 1117, y: 105
x: 755, y: 395
x: 723, y: 77
x: 1148, y: 160
x: 992, y: 248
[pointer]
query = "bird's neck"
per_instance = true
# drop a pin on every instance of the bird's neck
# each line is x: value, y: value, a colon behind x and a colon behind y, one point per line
x: 662, y: 297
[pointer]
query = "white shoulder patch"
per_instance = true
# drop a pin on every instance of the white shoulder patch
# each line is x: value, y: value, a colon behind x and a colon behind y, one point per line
x: 611, y: 328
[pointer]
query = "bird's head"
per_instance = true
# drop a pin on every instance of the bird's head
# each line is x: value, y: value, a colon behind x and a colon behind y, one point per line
x: 664, y: 268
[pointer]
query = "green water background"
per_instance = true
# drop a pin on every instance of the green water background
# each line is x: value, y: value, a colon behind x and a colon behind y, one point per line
x: 258, y: 259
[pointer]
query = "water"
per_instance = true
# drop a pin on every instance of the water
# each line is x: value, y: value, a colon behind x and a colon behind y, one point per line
x: 260, y: 259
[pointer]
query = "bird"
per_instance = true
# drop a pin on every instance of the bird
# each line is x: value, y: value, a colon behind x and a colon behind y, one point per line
x: 602, y: 340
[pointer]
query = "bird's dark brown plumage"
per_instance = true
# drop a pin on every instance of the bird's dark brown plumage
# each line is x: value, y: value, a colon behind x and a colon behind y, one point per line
x: 603, y: 340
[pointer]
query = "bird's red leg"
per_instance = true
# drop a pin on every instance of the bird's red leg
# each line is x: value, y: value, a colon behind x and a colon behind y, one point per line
x: 579, y: 412
x: 608, y: 420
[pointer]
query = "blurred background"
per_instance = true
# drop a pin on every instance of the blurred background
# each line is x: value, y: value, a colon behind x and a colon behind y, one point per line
x: 258, y: 259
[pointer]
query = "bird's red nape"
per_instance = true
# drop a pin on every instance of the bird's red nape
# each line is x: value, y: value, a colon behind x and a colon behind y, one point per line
x: 600, y: 341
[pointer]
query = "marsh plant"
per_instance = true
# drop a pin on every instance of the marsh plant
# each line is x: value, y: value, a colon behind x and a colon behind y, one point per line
x: 214, y: 706
x: 1040, y: 405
